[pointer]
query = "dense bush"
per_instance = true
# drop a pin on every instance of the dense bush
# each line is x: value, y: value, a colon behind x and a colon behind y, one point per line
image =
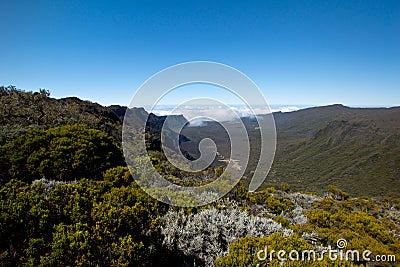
x: 333, y: 220
x: 319, y: 222
x: 114, y: 223
x: 78, y: 224
x: 63, y: 153
x: 251, y: 251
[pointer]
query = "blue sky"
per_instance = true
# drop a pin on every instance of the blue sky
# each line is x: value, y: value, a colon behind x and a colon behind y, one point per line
x: 297, y: 52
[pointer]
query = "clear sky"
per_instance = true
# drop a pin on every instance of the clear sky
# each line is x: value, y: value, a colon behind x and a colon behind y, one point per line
x: 297, y: 52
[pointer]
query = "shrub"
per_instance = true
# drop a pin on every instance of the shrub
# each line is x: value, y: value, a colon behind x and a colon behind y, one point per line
x: 63, y: 153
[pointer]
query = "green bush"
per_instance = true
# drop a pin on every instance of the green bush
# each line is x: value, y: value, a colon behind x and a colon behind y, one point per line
x: 250, y: 251
x: 64, y: 153
x: 88, y: 223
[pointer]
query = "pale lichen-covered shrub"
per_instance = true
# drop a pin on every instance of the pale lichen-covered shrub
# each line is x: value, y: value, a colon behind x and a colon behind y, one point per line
x: 302, y: 203
x: 50, y: 185
x: 207, y: 234
x: 298, y: 217
x: 303, y: 200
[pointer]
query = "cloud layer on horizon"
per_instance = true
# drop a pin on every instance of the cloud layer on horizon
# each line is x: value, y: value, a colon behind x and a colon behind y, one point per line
x: 198, y: 114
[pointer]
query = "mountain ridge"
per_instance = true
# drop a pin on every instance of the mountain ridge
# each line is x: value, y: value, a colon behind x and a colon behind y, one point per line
x: 356, y: 149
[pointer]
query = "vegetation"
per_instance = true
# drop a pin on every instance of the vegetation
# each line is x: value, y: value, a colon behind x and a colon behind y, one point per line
x: 23, y: 111
x: 67, y: 199
x: 63, y: 153
x: 246, y: 252
x: 77, y: 224
x: 355, y: 149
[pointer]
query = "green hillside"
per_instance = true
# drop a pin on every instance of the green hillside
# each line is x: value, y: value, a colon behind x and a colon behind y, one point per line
x: 355, y: 149
x: 23, y: 111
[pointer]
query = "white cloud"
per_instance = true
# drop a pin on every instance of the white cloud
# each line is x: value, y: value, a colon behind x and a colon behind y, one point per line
x: 200, y: 114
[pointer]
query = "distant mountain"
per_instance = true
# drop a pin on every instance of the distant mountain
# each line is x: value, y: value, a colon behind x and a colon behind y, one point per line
x: 357, y: 149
